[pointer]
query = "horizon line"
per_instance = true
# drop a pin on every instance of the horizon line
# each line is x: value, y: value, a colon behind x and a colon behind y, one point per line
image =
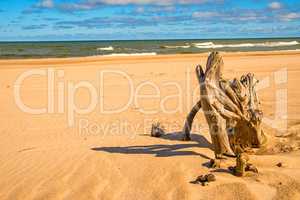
x: 174, y: 39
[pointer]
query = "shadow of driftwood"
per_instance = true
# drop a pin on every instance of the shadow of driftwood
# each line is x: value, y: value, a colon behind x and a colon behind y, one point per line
x: 222, y: 171
x: 201, y: 140
x: 207, y: 164
x: 160, y: 150
x: 163, y: 150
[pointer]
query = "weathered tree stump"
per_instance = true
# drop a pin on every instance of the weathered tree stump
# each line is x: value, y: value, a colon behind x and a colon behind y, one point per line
x: 231, y: 108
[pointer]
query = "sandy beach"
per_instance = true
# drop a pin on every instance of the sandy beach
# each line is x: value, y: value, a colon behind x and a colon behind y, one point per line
x: 87, y: 133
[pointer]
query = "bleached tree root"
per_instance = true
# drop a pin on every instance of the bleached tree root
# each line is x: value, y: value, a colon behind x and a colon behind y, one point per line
x: 225, y: 103
x: 189, y: 121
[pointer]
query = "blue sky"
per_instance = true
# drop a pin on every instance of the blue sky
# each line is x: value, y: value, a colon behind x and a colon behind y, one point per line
x: 147, y: 19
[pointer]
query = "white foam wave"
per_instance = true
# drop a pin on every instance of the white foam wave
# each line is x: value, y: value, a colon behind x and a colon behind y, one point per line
x: 131, y: 54
x: 290, y: 50
x: 177, y: 47
x: 110, y: 48
x: 211, y: 45
x: 204, y: 44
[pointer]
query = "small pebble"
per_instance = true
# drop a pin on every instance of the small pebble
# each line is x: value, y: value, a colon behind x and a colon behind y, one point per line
x: 201, y: 178
x: 210, y: 177
x: 280, y: 164
x: 205, y: 179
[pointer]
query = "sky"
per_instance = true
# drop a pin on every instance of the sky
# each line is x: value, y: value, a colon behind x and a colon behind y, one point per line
x: 39, y: 20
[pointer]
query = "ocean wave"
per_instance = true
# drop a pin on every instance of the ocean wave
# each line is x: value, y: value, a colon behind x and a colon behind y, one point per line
x: 110, y: 48
x: 176, y: 47
x: 131, y: 54
x: 211, y: 45
x: 290, y: 50
x: 204, y: 43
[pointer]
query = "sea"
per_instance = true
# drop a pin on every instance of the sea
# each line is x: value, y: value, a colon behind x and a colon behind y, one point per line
x: 62, y: 49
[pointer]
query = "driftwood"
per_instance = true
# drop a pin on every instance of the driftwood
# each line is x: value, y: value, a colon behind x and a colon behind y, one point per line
x: 231, y: 109
x: 157, y: 130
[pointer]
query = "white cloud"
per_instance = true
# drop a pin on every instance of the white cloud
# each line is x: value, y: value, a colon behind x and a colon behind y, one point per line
x: 140, y: 10
x: 46, y: 4
x: 90, y: 4
x: 290, y: 16
x: 74, y: 6
x: 138, y: 2
x: 205, y: 14
x: 275, y: 5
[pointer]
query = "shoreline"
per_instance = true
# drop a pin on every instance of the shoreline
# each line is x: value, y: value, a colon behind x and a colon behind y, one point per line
x: 136, y: 58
